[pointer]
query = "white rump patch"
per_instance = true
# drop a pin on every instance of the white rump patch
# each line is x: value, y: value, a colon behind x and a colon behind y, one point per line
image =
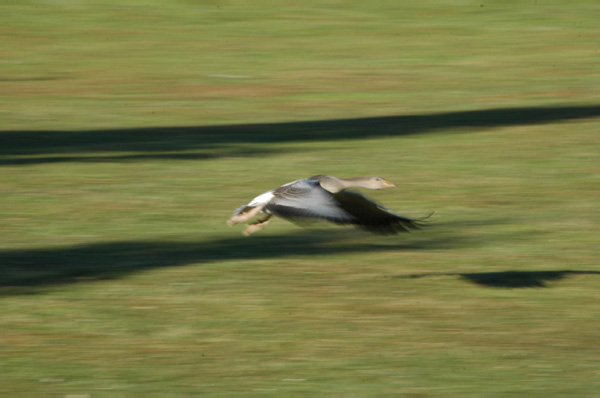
x: 261, y: 199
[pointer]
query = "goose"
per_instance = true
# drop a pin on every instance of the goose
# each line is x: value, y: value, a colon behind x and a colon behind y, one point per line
x: 326, y: 198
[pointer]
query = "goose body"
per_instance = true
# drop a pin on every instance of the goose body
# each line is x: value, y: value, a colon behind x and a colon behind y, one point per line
x: 326, y: 198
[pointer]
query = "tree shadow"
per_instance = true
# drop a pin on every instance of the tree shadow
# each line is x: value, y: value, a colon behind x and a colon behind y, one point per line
x: 507, y: 279
x: 205, y: 142
x: 237, y: 152
x: 51, y: 266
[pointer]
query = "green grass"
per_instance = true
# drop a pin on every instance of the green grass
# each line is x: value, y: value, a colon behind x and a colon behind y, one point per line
x: 130, y: 130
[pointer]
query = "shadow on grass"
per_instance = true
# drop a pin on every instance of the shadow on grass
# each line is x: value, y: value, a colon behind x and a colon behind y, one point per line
x: 52, y: 266
x: 205, y: 142
x: 508, y: 279
x: 24, y: 271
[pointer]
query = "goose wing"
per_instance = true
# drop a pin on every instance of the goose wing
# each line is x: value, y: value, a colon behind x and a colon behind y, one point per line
x: 306, y: 199
x: 372, y: 217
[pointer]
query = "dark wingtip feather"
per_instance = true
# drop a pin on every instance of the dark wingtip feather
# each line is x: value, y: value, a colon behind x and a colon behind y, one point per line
x: 393, y: 225
x: 374, y: 218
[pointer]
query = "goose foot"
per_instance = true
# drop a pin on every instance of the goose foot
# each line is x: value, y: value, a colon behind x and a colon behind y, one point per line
x: 252, y: 228
x: 243, y: 217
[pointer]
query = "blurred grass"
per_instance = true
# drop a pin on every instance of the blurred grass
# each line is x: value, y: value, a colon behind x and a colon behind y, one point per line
x: 131, y: 130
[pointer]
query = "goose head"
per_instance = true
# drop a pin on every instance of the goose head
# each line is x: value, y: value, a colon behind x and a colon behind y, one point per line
x: 375, y: 183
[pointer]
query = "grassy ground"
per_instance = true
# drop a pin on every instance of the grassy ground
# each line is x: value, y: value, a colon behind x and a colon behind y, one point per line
x: 131, y: 130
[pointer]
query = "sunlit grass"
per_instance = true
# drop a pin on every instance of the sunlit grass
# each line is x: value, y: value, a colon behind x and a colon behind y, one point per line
x: 131, y: 131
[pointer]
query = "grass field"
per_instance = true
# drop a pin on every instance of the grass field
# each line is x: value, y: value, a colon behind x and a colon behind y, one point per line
x: 130, y: 131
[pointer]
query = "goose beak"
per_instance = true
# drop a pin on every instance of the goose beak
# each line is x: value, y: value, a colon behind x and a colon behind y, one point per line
x: 389, y: 184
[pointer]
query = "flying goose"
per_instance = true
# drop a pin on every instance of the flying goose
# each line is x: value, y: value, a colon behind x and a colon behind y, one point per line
x: 324, y: 197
